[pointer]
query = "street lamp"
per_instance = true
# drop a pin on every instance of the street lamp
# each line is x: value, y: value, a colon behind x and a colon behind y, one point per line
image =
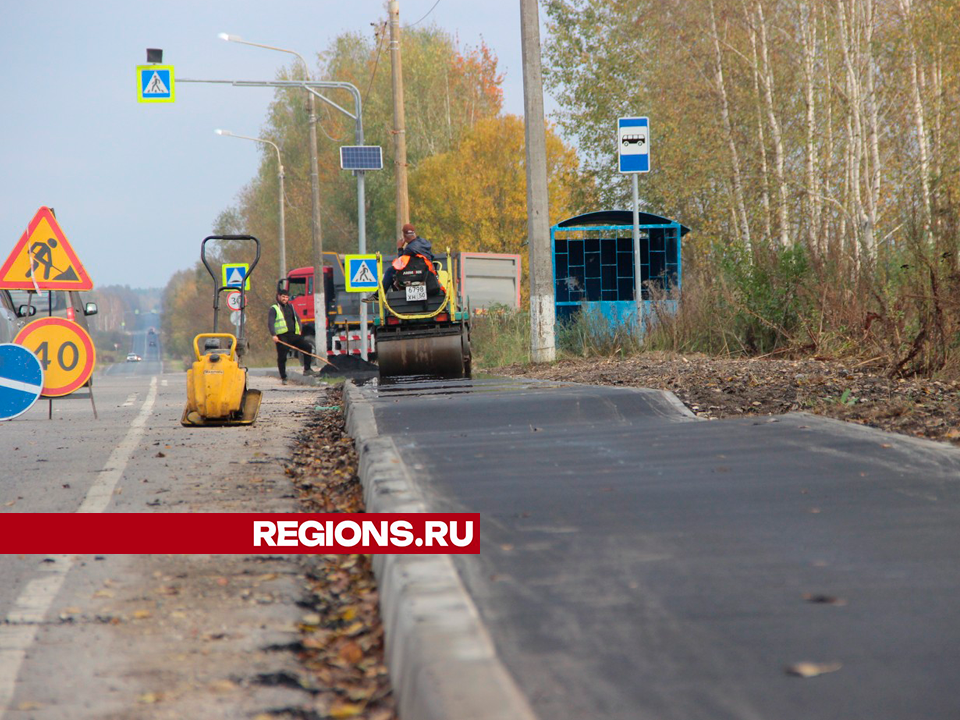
x: 283, y: 242
x: 319, y: 301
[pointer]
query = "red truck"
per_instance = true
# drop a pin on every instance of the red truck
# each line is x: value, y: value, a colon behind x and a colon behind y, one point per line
x: 343, y: 308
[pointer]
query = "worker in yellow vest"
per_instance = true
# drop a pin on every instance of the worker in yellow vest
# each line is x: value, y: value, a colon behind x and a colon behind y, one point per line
x: 285, y: 326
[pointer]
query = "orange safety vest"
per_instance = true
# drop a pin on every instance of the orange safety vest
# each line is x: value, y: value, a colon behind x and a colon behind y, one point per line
x: 401, y: 262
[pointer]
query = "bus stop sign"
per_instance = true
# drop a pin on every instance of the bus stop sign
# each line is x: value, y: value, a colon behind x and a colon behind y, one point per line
x: 633, y: 144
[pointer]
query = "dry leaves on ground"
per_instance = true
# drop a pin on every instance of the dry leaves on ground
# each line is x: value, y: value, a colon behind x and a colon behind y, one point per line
x: 342, y: 636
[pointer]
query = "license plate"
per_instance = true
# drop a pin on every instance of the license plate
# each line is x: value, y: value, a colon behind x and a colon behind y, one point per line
x: 416, y: 292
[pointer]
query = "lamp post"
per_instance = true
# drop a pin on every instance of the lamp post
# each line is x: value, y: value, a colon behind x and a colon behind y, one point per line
x: 319, y: 299
x: 282, y: 242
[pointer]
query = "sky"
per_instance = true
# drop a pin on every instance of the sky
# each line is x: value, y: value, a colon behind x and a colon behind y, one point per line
x: 137, y: 186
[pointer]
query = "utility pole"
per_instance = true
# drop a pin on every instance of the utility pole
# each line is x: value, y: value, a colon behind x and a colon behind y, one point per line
x: 319, y: 296
x: 399, y: 133
x: 542, y: 309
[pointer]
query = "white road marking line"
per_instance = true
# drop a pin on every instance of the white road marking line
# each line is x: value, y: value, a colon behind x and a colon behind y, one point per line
x: 130, y: 400
x: 19, y: 629
x: 99, y: 494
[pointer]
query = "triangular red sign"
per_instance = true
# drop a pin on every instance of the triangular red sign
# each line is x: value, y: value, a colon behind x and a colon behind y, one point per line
x: 43, y: 259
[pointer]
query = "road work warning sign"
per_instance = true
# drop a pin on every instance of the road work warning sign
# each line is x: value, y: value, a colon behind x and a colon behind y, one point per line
x: 43, y: 259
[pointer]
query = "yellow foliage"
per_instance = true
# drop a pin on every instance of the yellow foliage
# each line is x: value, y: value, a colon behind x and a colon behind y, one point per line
x: 474, y: 198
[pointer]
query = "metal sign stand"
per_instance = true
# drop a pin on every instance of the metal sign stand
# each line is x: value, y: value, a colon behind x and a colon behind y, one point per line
x: 633, y: 147
x: 89, y: 385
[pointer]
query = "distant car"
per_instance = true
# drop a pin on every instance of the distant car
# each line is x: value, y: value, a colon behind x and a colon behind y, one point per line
x: 133, y: 357
x: 153, y: 343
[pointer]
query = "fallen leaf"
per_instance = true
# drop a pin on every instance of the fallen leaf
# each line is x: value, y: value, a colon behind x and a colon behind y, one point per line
x: 149, y: 698
x: 29, y: 706
x: 354, y: 629
x: 141, y: 614
x: 345, y: 710
x: 811, y: 669
x: 351, y: 652
x: 103, y: 594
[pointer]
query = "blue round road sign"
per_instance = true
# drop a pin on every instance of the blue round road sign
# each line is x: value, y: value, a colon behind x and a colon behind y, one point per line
x: 21, y: 380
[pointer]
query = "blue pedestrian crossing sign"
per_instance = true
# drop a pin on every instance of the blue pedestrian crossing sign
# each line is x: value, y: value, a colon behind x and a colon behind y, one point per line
x: 155, y: 83
x: 235, y: 275
x: 361, y: 273
x: 21, y: 380
x: 633, y: 144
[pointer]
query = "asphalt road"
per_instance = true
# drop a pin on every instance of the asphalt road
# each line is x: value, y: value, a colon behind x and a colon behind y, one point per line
x: 637, y: 563
x: 125, y: 635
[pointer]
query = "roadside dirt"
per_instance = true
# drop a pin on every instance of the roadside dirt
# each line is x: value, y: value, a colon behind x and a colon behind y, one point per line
x: 722, y: 388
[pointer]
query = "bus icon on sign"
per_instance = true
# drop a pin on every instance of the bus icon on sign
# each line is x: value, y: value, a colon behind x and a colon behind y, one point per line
x: 638, y: 140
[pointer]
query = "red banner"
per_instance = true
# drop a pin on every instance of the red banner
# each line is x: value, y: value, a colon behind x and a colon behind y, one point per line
x: 239, y: 533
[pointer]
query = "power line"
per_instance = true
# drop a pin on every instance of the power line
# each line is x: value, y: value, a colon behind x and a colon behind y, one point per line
x: 424, y: 17
x: 381, y: 33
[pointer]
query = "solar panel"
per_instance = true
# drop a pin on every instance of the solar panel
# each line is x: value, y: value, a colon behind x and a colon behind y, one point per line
x: 361, y: 157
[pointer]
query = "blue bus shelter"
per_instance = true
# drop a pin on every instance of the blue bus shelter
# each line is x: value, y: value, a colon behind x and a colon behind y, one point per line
x: 593, y: 264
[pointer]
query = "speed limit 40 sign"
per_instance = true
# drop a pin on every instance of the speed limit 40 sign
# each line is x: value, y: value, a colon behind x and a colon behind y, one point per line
x: 65, y: 351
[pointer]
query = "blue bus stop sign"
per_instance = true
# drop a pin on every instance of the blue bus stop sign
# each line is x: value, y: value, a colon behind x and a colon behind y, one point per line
x: 21, y: 380
x: 633, y: 144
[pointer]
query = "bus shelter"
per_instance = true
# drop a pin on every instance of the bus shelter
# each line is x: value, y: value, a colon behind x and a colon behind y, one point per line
x: 593, y: 262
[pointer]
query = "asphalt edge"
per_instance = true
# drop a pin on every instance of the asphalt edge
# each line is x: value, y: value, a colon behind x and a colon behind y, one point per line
x: 443, y: 664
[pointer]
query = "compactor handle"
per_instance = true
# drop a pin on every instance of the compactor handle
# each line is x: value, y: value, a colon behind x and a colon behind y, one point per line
x: 217, y: 289
x: 203, y: 252
x: 228, y: 336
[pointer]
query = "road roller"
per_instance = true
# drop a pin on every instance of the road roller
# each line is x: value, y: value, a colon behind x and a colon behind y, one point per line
x: 217, y: 392
x: 421, y: 328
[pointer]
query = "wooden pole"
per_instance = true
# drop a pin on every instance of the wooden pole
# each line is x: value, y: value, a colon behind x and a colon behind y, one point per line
x: 399, y: 131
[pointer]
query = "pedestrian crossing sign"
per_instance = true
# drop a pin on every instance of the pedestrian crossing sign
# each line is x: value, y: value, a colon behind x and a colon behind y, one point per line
x: 43, y: 259
x: 155, y: 83
x: 235, y: 275
x: 361, y: 273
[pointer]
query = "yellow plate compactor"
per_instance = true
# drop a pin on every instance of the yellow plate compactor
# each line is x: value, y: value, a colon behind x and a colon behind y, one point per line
x: 217, y: 392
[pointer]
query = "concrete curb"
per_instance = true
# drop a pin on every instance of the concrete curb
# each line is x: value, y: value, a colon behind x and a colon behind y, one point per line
x: 442, y: 662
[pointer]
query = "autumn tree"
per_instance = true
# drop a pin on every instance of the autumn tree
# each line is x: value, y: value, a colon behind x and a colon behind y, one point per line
x: 448, y: 90
x: 474, y: 197
x: 827, y: 128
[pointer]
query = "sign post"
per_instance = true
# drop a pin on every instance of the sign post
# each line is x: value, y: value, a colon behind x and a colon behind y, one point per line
x: 633, y: 146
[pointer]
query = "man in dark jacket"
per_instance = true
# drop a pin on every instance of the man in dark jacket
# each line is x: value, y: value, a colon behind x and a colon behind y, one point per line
x: 283, y: 323
x: 409, y: 244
